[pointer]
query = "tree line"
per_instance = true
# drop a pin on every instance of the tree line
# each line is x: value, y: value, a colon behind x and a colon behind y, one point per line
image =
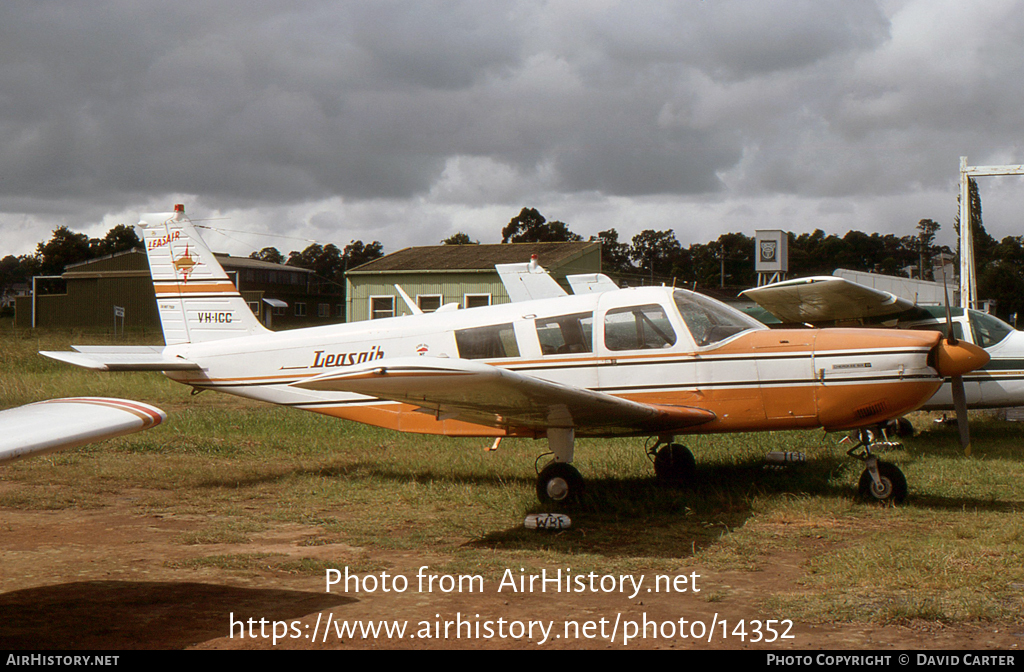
x: 649, y: 257
x: 655, y: 257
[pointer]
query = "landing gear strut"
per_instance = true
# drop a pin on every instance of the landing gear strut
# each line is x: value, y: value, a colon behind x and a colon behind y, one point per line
x: 881, y: 482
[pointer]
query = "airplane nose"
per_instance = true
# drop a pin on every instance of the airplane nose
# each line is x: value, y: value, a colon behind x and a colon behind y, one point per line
x: 958, y: 359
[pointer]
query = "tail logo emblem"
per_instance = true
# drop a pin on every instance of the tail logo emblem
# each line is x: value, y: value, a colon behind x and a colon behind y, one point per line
x: 185, y: 264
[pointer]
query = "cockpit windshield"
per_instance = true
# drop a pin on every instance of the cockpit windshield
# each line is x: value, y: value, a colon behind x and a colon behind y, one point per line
x: 988, y: 330
x: 710, y: 321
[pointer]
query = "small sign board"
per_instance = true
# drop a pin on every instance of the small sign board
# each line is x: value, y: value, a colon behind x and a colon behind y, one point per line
x: 772, y: 252
x: 547, y: 521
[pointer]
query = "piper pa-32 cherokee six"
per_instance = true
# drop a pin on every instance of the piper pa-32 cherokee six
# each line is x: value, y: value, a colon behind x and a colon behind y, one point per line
x: 602, y: 362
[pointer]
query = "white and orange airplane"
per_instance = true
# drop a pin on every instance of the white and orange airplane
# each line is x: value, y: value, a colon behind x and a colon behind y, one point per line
x: 602, y: 362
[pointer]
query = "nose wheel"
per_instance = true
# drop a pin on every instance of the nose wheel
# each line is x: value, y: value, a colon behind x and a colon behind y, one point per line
x: 881, y: 482
x: 885, y: 485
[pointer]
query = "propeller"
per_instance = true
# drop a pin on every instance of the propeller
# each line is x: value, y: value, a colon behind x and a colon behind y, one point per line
x: 957, y: 384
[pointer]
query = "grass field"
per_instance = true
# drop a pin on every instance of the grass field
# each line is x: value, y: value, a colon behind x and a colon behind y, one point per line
x: 954, y: 553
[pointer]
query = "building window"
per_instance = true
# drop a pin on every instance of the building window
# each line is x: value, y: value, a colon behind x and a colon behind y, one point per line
x: 340, y: 308
x: 476, y: 300
x: 323, y: 310
x: 428, y: 303
x: 300, y: 309
x: 381, y: 307
x: 254, y: 306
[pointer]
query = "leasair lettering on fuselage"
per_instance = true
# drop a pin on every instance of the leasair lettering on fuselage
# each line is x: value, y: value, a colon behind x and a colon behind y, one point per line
x: 320, y: 360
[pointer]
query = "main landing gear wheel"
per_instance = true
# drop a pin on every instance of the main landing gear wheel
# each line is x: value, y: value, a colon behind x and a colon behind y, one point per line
x: 891, y: 490
x: 675, y: 462
x: 900, y: 427
x: 559, y: 483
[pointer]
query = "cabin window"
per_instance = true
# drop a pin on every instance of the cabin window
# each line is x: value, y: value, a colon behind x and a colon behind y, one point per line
x: 381, y: 307
x: 638, y: 328
x: 300, y: 309
x: 428, y: 303
x: 491, y: 342
x: 323, y: 310
x: 710, y: 321
x: 566, y: 334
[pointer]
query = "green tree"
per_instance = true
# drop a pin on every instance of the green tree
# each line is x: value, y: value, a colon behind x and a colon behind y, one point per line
x: 270, y: 254
x: 984, y: 244
x: 656, y: 253
x: 324, y: 260
x: 120, y: 238
x: 614, y: 255
x: 529, y: 226
x: 357, y: 254
x: 459, y: 238
x: 927, y: 229
x: 64, y: 248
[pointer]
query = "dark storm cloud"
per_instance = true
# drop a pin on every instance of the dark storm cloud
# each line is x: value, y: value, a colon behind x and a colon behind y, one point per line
x: 392, y: 107
x: 304, y: 100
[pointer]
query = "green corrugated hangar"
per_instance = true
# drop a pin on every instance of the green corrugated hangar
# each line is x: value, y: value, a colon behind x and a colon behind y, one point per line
x: 280, y: 296
x: 435, y: 275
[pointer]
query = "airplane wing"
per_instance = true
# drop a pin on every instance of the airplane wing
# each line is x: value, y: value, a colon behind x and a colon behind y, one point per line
x: 825, y: 299
x: 122, y: 358
x: 487, y: 395
x: 48, y: 426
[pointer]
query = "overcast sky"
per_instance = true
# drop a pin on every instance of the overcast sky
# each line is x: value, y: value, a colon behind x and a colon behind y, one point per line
x: 407, y: 121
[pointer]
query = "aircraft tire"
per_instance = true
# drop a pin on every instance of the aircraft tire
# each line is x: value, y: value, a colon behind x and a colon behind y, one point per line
x: 675, y: 462
x: 559, y: 483
x: 894, y: 485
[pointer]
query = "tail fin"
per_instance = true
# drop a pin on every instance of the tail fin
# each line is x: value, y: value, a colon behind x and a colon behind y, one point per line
x: 196, y: 300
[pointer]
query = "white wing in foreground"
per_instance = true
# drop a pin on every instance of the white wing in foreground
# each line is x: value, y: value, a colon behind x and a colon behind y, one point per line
x: 487, y: 395
x: 824, y: 299
x: 48, y: 426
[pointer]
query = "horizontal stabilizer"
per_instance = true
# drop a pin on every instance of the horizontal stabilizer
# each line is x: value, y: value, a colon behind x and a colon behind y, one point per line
x: 57, y: 424
x: 496, y: 397
x: 122, y: 358
x: 591, y: 283
x: 525, y: 282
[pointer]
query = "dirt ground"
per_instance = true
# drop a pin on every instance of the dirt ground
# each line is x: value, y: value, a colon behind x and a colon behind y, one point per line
x: 114, y: 579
